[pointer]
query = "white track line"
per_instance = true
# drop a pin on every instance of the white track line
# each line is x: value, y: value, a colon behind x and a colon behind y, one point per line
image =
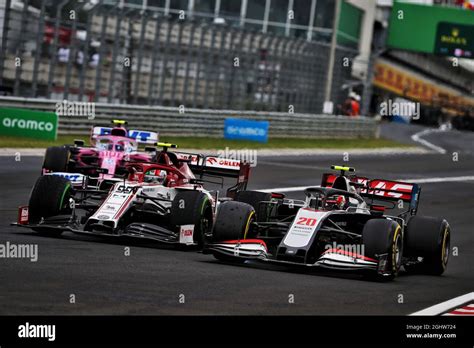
x: 9, y: 152
x: 287, y: 189
x: 438, y: 180
x: 447, y: 305
x: 417, y: 137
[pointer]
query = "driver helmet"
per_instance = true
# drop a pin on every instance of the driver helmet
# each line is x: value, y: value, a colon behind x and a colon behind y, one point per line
x: 120, y: 146
x: 340, y: 202
x: 155, y: 176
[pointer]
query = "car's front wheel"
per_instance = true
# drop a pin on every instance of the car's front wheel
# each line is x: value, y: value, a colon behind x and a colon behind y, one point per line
x: 192, y: 207
x: 49, y: 197
x: 254, y: 198
x: 56, y: 159
x: 383, y: 239
x: 233, y: 222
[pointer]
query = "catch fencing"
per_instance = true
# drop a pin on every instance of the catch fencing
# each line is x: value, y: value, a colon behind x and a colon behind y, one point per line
x: 124, y: 55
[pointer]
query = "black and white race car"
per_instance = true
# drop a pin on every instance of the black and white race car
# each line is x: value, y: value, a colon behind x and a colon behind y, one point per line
x: 341, y: 224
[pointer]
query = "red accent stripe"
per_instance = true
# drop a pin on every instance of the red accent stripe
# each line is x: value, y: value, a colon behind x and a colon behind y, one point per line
x: 468, y: 308
x: 461, y: 313
x: 124, y: 206
x: 245, y: 241
x: 348, y: 253
x: 377, y: 207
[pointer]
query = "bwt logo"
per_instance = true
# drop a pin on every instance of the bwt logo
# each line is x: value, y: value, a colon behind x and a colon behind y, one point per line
x: 105, y: 131
x: 139, y: 135
x: 70, y: 177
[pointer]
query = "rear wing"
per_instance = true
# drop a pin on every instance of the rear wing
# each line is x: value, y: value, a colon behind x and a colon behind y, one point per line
x: 143, y: 137
x: 96, y: 131
x: 381, y: 189
x: 218, y: 166
x: 140, y: 136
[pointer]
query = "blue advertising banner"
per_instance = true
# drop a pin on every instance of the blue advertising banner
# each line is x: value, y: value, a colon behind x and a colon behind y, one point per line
x: 236, y: 128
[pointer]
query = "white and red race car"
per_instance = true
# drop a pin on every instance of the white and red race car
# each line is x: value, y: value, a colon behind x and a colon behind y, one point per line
x: 341, y: 224
x: 163, y: 200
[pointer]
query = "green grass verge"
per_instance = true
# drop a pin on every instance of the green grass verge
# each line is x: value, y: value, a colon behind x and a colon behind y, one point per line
x: 213, y: 143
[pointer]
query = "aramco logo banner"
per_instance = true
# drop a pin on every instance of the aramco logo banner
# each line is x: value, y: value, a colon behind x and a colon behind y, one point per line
x: 28, y: 123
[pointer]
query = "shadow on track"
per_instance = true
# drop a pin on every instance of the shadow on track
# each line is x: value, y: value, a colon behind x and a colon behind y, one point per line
x: 310, y: 271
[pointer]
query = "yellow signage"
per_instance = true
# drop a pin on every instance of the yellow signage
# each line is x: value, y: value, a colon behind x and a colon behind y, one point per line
x: 417, y: 88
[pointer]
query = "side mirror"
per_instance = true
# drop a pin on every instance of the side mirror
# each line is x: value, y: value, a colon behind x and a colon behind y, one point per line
x: 79, y: 142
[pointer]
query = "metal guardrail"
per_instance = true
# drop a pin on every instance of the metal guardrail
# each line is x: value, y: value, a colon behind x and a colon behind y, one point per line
x: 200, y: 122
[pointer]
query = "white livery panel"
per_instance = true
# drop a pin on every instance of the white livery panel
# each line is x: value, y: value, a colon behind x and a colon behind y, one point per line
x: 74, y: 178
x: 303, y: 227
x: 116, y: 203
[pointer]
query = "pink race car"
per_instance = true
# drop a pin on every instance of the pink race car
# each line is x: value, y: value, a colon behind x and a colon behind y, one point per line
x: 110, y: 150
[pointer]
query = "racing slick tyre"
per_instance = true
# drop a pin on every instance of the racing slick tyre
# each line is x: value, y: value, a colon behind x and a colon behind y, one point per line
x: 429, y: 238
x: 383, y: 236
x: 56, y: 159
x: 193, y: 208
x: 254, y: 198
x: 49, y: 197
x: 233, y: 222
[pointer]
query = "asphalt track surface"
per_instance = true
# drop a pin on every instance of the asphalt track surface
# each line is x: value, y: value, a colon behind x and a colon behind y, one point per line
x: 152, y: 278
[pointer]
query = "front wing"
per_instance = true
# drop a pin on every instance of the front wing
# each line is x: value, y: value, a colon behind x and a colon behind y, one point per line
x: 134, y: 230
x: 256, y: 249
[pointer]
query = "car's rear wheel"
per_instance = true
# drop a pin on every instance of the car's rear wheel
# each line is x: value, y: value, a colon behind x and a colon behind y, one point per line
x: 49, y: 197
x: 193, y: 208
x: 56, y: 159
x: 429, y: 238
x: 384, y: 237
x: 233, y: 222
